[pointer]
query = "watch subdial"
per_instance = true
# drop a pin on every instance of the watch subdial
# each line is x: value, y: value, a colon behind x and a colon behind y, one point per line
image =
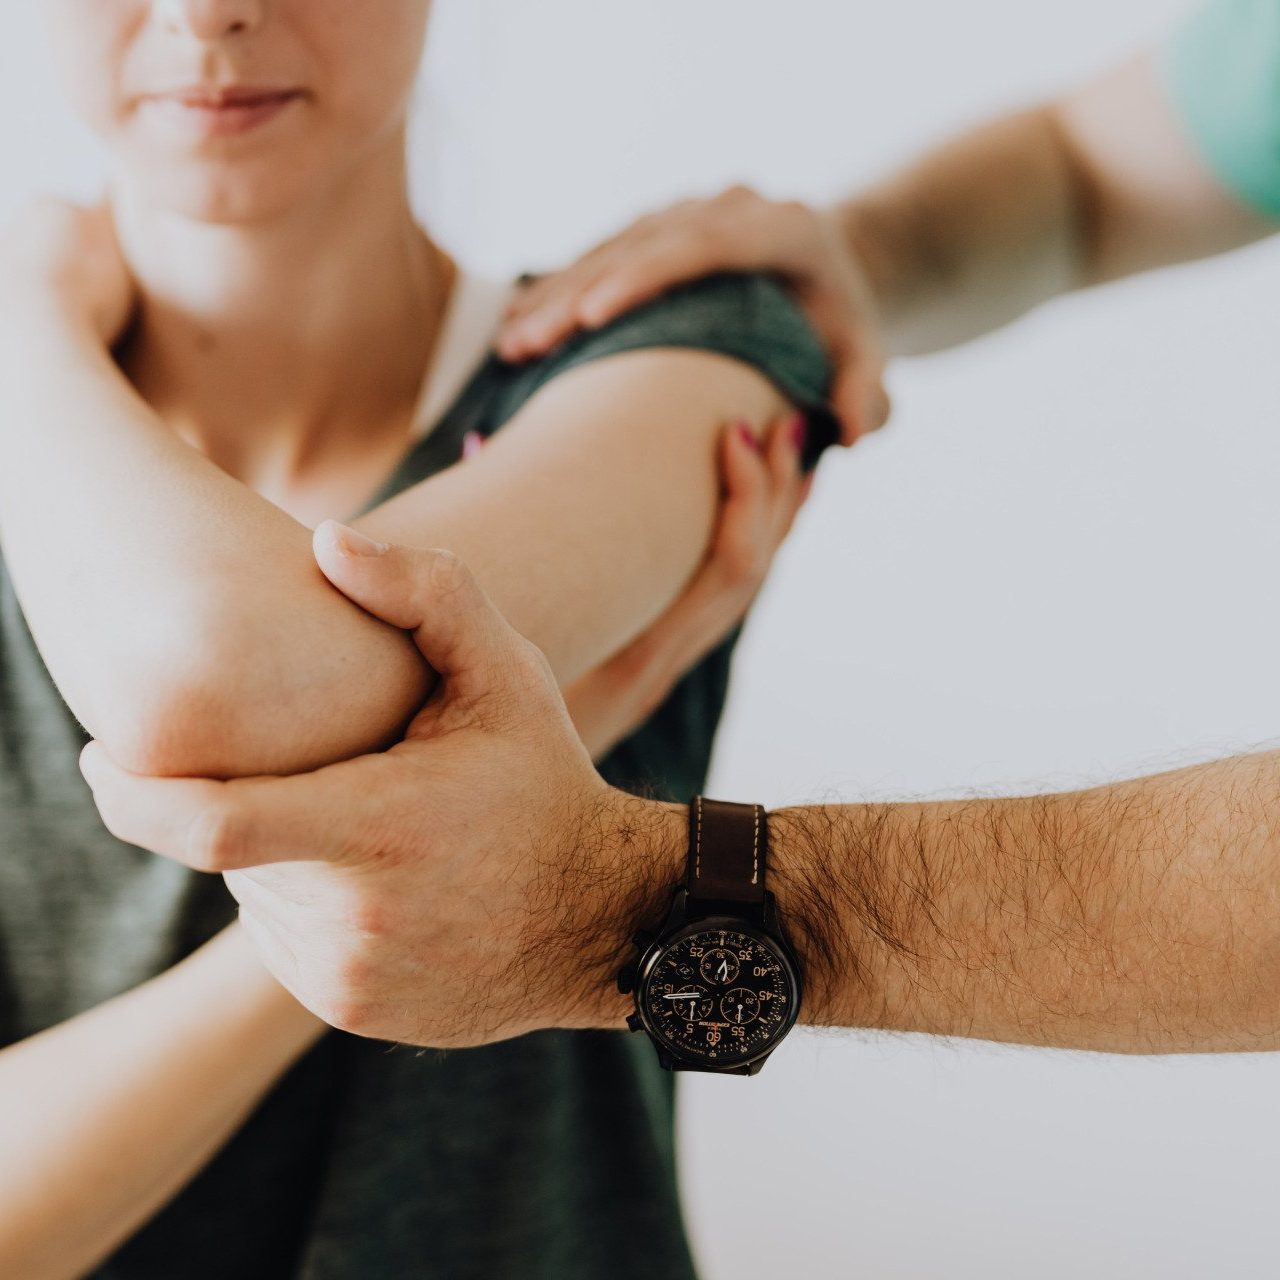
x: 739, y: 1006
x: 719, y: 966
x: 693, y: 1004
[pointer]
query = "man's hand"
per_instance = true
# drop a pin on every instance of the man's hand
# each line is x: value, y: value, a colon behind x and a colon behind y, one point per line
x: 69, y: 255
x: 736, y: 231
x: 477, y: 881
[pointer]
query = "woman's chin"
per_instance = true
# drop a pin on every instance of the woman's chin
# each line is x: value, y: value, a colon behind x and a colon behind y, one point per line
x: 223, y: 198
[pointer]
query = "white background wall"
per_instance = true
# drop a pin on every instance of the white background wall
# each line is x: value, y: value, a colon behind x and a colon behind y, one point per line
x: 1059, y: 566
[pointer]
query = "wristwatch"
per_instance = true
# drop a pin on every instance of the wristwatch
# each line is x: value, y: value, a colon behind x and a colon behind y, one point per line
x: 717, y: 986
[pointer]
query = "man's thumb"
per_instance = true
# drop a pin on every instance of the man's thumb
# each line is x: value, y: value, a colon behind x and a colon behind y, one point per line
x: 431, y: 593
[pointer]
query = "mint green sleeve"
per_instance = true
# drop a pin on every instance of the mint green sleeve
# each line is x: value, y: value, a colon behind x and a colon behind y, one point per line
x: 1222, y: 66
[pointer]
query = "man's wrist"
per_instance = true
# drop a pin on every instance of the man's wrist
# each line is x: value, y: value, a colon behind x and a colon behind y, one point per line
x: 629, y: 855
x: 837, y: 894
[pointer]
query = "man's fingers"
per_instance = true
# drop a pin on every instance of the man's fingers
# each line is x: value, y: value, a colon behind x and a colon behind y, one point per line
x: 645, y: 274
x: 431, y: 593
x: 631, y: 275
x: 226, y: 826
x: 858, y: 398
x: 545, y: 312
x: 694, y: 239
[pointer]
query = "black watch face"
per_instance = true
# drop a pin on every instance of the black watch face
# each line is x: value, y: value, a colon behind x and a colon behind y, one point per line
x: 719, y: 994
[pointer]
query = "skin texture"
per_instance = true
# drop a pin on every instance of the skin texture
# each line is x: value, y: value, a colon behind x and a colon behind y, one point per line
x: 249, y: 670
x: 106, y: 1115
x: 498, y: 739
x: 1135, y: 918
x: 762, y: 491
x: 272, y: 306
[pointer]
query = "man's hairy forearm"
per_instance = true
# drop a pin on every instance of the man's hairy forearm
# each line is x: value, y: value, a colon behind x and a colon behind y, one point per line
x: 972, y: 235
x: 1099, y: 184
x: 1138, y: 917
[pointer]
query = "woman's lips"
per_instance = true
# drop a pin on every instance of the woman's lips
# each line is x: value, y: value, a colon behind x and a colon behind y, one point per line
x: 220, y: 115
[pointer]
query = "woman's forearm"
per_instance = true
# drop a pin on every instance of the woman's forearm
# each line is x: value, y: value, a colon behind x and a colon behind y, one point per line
x: 106, y: 1117
x: 152, y: 580
x: 182, y: 614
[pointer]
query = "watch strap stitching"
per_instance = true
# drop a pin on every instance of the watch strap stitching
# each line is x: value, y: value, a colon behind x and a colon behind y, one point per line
x: 755, y: 847
x: 697, y: 861
x: 727, y: 851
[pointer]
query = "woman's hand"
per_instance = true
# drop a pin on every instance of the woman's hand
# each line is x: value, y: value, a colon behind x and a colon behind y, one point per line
x: 763, y: 491
x: 736, y: 231
x: 54, y: 250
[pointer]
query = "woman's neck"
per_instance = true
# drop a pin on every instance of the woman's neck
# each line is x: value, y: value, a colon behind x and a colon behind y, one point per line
x: 282, y: 346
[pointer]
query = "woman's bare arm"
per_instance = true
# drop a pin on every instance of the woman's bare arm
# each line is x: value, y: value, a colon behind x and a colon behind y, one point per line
x: 217, y: 647
x: 107, y: 1116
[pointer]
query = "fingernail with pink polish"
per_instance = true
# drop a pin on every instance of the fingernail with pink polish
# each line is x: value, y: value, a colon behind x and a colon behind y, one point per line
x: 472, y: 444
x: 748, y: 436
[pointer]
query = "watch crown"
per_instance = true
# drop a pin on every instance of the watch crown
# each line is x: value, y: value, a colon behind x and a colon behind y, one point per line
x: 642, y: 938
x: 626, y: 980
x: 633, y: 1022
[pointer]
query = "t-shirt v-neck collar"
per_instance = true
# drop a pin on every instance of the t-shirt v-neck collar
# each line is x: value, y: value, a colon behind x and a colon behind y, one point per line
x: 470, y: 320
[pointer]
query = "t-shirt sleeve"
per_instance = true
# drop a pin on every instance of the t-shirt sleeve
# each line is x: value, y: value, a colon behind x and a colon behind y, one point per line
x: 751, y: 318
x: 1222, y: 66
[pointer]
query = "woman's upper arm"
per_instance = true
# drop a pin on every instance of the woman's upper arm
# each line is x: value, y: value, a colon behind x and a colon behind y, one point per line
x: 588, y: 512
x: 583, y: 517
x: 592, y: 507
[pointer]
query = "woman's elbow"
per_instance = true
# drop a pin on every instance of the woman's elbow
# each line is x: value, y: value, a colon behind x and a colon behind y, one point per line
x: 167, y: 724
x: 228, y: 711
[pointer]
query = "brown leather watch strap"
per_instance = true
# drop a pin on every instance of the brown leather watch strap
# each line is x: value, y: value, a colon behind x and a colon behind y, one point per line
x: 728, y: 845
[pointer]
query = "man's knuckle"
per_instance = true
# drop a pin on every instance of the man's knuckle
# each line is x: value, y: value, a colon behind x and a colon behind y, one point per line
x: 216, y: 840
x: 110, y: 815
x: 530, y: 667
x: 355, y: 974
x: 346, y: 1013
x: 740, y: 196
x: 367, y: 918
x: 703, y: 239
x: 448, y: 574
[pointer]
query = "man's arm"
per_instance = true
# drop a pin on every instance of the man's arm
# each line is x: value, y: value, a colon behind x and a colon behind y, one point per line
x: 1138, y: 917
x: 1100, y: 184
x: 218, y: 648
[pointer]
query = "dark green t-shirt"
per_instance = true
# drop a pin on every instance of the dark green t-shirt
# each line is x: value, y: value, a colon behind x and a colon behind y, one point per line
x: 549, y: 1157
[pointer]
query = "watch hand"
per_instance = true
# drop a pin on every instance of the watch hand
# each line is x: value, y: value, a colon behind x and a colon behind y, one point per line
x: 682, y: 995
